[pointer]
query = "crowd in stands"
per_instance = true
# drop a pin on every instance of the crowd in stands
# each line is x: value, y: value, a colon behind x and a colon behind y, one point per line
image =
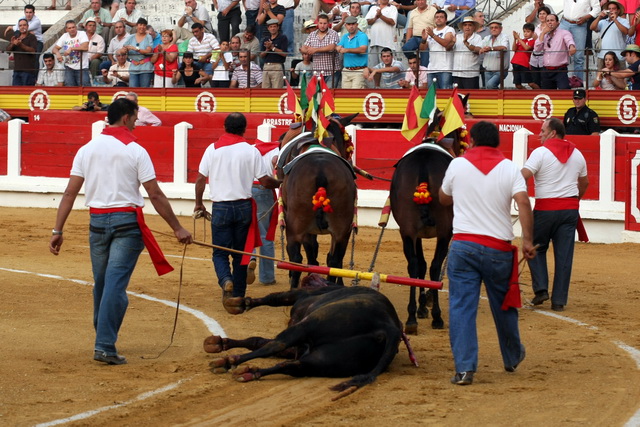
x: 352, y: 44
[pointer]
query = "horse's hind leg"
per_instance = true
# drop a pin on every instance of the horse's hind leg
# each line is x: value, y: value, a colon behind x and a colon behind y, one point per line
x: 293, y: 250
x: 410, y: 247
x: 423, y: 311
x: 335, y: 257
x: 310, y: 244
x: 442, y: 247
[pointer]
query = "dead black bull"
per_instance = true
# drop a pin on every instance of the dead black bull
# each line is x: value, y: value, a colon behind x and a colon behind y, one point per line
x: 333, y: 332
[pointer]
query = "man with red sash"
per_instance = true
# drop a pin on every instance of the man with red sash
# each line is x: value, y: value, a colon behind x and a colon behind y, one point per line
x: 481, y: 185
x: 112, y: 166
x: 267, y: 217
x: 560, y: 174
x: 231, y: 165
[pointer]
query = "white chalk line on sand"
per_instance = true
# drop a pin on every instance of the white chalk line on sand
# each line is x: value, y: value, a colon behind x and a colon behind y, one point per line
x: 213, y: 327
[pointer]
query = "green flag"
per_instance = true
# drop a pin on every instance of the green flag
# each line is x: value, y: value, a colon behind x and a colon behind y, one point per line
x: 304, y: 101
x: 429, y: 105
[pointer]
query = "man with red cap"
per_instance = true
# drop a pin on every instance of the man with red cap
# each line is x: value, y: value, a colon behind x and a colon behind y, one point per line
x: 560, y: 174
x: 481, y: 185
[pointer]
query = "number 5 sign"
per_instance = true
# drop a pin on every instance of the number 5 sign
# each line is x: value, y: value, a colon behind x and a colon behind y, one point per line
x: 39, y: 100
x: 206, y: 103
x: 373, y: 106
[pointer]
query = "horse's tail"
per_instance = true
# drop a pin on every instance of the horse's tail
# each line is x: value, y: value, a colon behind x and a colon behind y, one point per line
x: 422, y: 197
x: 321, y: 202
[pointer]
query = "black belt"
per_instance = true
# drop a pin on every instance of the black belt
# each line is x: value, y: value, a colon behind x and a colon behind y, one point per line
x: 355, y: 68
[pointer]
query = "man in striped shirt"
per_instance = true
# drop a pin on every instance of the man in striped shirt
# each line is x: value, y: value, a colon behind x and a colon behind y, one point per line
x: 248, y: 74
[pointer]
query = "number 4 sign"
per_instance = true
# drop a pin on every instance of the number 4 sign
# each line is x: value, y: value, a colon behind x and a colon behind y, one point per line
x: 39, y: 100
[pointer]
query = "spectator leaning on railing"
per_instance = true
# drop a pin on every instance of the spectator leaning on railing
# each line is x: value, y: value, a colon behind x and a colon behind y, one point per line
x: 387, y: 74
x: 632, y: 55
x: 248, y: 74
x: 557, y: 46
x: 466, y: 55
x: 118, y: 73
x: 71, y: 50
x: 51, y: 75
x: 353, y: 47
x: 604, y: 79
x: 410, y: 78
x: 495, y: 48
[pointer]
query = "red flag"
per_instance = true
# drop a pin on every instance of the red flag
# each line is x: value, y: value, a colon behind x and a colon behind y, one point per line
x: 413, y: 125
x: 453, y: 116
x: 327, y: 94
x: 311, y: 87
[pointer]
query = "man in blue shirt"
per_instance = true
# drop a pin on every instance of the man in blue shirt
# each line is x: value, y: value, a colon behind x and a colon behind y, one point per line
x: 353, y: 46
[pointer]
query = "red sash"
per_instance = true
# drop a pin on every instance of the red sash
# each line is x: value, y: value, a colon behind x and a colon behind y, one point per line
x: 512, y: 298
x: 484, y: 158
x: 561, y: 148
x: 253, y: 237
x: 157, y: 257
x: 563, y: 203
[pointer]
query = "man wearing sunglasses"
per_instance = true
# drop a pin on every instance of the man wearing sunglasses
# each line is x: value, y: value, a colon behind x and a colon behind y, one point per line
x: 557, y: 46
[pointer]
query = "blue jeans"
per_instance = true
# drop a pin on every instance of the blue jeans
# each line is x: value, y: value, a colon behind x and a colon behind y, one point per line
x: 264, y: 200
x: 492, y: 79
x: 229, y: 228
x: 23, y: 78
x: 559, y: 227
x: 579, y: 33
x: 115, y: 243
x: 140, y: 79
x: 333, y: 81
x: 469, y: 265
x: 411, y: 46
x: 72, y: 77
x: 207, y: 67
x: 443, y: 80
x: 287, y: 29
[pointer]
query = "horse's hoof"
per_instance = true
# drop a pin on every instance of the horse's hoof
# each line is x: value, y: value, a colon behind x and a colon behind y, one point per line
x: 423, y: 313
x: 411, y: 329
x: 213, y: 344
x: 437, y: 324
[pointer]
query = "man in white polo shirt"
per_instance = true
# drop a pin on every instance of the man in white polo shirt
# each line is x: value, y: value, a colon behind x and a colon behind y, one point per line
x: 560, y: 173
x: 231, y: 165
x: 112, y: 167
x: 481, y: 186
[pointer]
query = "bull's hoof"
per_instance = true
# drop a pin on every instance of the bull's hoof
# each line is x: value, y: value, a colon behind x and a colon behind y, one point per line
x: 411, y: 328
x: 437, y: 324
x: 220, y: 365
x: 245, y: 374
x: 423, y: 313
x: 233, y: 305
x: 213, y: 344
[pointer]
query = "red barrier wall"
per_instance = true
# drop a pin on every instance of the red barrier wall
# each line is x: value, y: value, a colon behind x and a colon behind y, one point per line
x: 48, y: 150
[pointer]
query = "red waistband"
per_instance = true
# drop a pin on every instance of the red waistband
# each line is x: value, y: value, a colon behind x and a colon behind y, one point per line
x: 562, y: 67
x: 99, y: 211
x: 557, y: 204
x: 512, y: 296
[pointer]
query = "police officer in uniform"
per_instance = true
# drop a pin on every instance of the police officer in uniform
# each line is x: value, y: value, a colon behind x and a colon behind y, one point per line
x: 581, y: 120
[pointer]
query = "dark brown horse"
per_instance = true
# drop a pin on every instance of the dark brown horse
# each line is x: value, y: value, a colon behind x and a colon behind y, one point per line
x: 318, y: 194
x: 420, y: 219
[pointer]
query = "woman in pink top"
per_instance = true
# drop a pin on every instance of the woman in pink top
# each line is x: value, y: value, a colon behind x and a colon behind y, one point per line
x: 165, y: 60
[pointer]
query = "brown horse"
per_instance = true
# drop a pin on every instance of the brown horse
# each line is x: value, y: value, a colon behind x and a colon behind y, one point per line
x: 319, y: 196
x: 422, y: 219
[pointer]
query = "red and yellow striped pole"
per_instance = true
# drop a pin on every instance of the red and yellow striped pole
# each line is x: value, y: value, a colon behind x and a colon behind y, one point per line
x: 340, y: 272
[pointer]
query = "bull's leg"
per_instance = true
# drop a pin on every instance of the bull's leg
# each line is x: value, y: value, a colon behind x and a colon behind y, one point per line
x: 442, y: 247
x: 293, y: 250
x: 216, y: 344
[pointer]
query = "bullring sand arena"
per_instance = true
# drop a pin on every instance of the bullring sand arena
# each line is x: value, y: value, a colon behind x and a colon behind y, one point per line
x: 582, y: 365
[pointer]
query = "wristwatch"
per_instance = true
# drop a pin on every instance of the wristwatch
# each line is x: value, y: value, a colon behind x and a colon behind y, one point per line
x: 55, y: 232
